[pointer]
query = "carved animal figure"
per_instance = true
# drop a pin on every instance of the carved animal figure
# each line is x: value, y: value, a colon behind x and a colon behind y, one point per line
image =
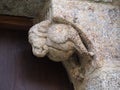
x: 59, y: 41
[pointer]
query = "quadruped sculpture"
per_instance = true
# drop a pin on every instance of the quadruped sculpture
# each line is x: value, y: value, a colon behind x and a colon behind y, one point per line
x: 62, y: 41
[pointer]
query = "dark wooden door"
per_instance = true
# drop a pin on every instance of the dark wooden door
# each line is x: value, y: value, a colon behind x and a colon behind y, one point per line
x: 20, y: 70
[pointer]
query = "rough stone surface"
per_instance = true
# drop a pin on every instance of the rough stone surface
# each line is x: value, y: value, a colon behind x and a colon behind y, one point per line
x: 101, y: 24
x: 97, y: 22
x: 104, y: 79
x: 28, y: 8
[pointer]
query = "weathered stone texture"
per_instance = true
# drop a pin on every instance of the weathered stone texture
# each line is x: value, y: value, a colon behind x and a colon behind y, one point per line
x: 100, y: 22
x: 104, y: 79
x: 28, y: 8
x: 93, y: 30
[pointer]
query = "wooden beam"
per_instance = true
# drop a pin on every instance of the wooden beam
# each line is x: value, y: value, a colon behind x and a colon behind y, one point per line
x: 15, y: 22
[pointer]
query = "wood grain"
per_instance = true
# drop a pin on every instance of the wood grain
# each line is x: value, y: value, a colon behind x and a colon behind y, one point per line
x: 15, y: 22
x: 20, y: 70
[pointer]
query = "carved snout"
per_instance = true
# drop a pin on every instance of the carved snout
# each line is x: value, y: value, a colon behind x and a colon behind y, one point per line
x: 40, y: 51
x: 37, y: 38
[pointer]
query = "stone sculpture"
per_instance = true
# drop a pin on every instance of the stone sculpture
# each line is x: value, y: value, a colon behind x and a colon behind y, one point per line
x: 83, y: 34
x: 85, y: 37
x: 62, y: 41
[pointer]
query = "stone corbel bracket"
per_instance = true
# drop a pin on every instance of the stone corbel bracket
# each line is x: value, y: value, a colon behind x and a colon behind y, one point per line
x: 63, y: 41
